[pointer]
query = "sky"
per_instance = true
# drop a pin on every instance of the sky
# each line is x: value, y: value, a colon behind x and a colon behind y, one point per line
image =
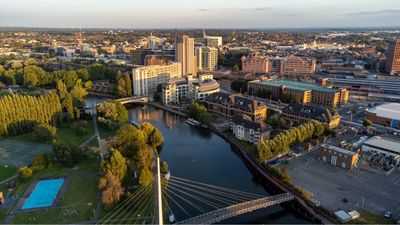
x: 200, y: 13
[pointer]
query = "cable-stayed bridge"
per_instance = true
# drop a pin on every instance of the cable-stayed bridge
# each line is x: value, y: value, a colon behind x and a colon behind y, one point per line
x: 196, y: 202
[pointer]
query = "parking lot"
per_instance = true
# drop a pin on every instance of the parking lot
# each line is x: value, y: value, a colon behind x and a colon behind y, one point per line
x: 336, y: 188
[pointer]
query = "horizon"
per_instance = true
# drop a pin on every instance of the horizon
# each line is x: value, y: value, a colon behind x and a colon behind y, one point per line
x: 223, y: 14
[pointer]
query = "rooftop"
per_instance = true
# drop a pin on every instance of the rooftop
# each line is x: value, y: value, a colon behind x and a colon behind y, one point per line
x: 384, y: 143
x: 337, y: 149
x: 388, y: 110
x: 296, y: 85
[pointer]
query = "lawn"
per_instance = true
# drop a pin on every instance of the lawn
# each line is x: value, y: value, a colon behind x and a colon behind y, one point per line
x: 79, y: 201
x: 368, y: 217
x: 64, y: 134
x: 252, y: 149
x: 6, y: 172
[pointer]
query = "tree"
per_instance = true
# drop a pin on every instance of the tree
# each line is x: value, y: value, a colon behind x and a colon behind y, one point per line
x: 128, y: 84
x: 121, y: 88
x: 78, y: 93
x: 112, y: 114
x: 44, y: 132
x: 83, y: 74
x: 199, y: 112
x: 164, y: 167
x: 146, y: 177
x: 80, y: 127
x: 319, y: 130
x: 367, y: 123
x: 145, y: 157
x: 115, y: 164
x: 129, y: 140
x: 68, y: 154
x: 152, y: 135
x: 239, y: 85
x: 25, y: 172
x: 68, y: 105
x: 61, y: 89
x: 42, y: 161
x: 111, y: 188
x: 30, y: 80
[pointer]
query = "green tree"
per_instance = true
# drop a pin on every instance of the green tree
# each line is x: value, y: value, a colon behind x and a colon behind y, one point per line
x: 145, y: 157
x: 129, y: 140
x: 44, y: 132
x: 30, y: 80
x: 146, y: 177
x: 83, y: 74
x: 42, y: 161
x: 115, y: 164
x: 128, y: 84
x: 25, y: 173
x: 68, y: 154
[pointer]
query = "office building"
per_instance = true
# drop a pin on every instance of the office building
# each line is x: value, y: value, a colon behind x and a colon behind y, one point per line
x: 246, y: 130
x: 393, y: 58
x: 338, y: 156
x: 299, y: 114
x: 211, y: 41
x: 151, y: 60
x: 386, y: 114
x: 146, y: 79
x: 236, y: 105
x: 303, y: 93
x: 180, y: 89
x: 184, y: 53
x: 207, y: 58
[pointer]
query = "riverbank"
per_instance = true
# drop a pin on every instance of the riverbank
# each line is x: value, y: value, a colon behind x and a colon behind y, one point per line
x: 302, y: 207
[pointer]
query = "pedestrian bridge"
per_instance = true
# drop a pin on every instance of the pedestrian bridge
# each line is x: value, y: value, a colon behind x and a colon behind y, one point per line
x: 134, y: 99
x: 238, y: 209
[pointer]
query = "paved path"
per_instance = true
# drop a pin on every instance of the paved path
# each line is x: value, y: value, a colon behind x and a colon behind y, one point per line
x: 8, y: 179
x: 88, y: 141
x: 97, y: 133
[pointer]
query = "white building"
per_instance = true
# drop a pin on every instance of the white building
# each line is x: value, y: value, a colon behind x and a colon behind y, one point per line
x: 383, y: 145
x: 246, y: 130
x: 178, y: 89
x: 211, y: 41
x: 146, y: 79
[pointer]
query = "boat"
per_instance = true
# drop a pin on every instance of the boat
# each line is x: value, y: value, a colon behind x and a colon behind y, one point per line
x: 193, y: 122
x: 171, y: 217
x: 168, y: 175
x: 204, y: 126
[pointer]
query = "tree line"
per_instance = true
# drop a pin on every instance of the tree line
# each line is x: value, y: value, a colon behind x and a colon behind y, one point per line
x: 20, y: 114
x: 282, y: 142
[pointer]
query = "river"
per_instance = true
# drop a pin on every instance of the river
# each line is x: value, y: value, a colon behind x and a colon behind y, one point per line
x: 200, y: 155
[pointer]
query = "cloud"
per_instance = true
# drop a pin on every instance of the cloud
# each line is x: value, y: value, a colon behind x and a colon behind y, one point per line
x: 261, y: 8
x: 235, y: 9
x: 376, y: 13
x: 202, y: 10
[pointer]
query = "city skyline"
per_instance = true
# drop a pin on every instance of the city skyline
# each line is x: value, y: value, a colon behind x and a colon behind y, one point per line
x: 208, y: 14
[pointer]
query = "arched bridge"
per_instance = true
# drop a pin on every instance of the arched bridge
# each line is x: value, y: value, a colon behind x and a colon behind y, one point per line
x: 238, y: 209
x: 134, y: 99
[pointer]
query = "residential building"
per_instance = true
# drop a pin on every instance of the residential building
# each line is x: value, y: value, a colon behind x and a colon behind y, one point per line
x: 299, y: 114
x: 235, y: 105
x: 294, y: 65
x: 108, y: 49
x: 303, y: 93
x: 150, y: 60
x: 185, y: 88
x: 388, y: 145
x: 255, y: 64
x: 338, y: 156
x: 386, y: 114
x: 207, y: 58
x: 146, y: 79
x: 184, y: 53
x: 393, y: 57
x: 246, y: 130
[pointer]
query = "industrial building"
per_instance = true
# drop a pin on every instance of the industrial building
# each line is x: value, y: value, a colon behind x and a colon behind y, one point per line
x: 386, y: 114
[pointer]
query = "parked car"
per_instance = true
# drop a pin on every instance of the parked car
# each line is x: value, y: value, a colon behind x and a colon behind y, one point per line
x: 388, y: 214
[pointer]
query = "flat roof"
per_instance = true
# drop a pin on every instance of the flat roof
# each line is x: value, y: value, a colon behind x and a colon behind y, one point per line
x: 297, y: 85
x: 384, y: 143
x: 337, y: 149
x: 388, y: 110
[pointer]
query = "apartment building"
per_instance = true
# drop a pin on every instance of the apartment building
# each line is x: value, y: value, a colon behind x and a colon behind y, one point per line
x: 294, y: 65
x: 207, y: 58
x: 299, y: 114
x: 146, y: 79
x: 176, y: 90
x: 246, y: 130
x: 235, y: 105
x: 185, y: 54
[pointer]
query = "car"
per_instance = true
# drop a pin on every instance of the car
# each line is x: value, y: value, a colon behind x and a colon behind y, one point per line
x: 388, y: 214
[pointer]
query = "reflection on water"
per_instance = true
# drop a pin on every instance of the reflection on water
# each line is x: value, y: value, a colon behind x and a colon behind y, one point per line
x: 200, y: 155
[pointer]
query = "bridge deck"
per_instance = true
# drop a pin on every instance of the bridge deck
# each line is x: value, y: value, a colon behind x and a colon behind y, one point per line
x: 238, y: 209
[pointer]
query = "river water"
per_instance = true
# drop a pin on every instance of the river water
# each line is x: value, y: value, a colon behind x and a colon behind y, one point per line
x: 200, y: 155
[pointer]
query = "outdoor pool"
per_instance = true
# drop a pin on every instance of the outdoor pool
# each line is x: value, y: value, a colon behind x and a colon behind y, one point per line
x: 44, y: 194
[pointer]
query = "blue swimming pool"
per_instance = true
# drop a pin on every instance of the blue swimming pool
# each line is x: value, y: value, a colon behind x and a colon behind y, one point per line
x: 43, y: 194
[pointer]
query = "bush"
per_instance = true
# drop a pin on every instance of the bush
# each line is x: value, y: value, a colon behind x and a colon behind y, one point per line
x: 41, y: 162
x: 80, y: 127
x: 164, y: 167
x: 25, y: 172
x: 68, y: 154
x: 44, y: 132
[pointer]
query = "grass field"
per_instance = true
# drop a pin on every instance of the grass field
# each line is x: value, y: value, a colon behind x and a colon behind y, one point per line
x: 368, y: 217
x: 78, y: 203
x: 6, y: 172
